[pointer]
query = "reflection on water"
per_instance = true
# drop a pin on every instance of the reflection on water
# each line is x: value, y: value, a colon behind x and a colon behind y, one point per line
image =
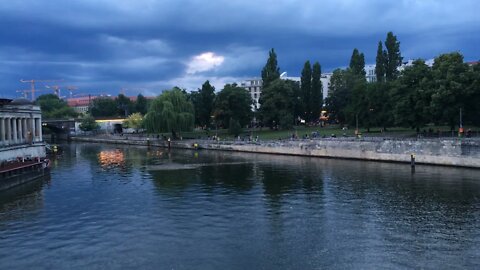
x: 111, y: 158
x: 136, y: 207
x: 23, y: 201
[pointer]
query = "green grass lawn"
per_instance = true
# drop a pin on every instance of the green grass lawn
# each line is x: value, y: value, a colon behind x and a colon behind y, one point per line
x: 328, y: 131
x: 300, y: 131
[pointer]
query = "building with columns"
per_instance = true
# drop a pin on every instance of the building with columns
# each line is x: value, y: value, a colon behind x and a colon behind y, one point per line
x: 20, y: 130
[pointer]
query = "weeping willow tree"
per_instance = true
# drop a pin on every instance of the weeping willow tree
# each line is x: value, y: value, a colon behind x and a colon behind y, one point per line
x: 170, y: 112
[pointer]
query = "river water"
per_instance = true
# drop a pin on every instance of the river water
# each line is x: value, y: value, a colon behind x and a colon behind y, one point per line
x: 115, y: 207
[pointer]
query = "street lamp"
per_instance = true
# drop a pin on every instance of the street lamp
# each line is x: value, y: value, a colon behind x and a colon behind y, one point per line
x: 460, y: 128
x: 215, y: 122
x: 254, y: 123
x: 356, y: 128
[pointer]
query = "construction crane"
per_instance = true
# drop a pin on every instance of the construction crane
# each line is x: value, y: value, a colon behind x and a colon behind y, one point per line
x: 24, y: 92
x: 57, y: 88
x: 32, y: 85
x: 71, y: 89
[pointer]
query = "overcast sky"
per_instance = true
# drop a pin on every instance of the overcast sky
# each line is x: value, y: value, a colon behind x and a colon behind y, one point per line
x: 146, y: 46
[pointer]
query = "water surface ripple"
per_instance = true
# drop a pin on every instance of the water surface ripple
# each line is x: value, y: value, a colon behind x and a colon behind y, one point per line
x: 110, y: 207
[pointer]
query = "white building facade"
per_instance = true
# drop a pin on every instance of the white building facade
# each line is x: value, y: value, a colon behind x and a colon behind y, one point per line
x: 20, y: 130
x: 325, y: 79
x: 254, y: 87
x: 372, y: 77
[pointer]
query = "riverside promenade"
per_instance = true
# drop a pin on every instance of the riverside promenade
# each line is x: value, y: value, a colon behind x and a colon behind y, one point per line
x: 446, y: 152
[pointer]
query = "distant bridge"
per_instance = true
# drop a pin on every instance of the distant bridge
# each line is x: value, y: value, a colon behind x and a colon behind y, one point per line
x: 59, y: 126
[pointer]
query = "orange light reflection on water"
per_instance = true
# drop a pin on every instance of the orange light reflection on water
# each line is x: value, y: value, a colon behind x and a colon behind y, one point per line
x: 111, y: 158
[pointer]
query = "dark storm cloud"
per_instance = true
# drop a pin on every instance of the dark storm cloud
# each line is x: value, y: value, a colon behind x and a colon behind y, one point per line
x: 105, y: 45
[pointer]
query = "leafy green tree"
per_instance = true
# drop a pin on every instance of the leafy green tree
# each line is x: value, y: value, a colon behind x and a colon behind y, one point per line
x: 234, y: 127
x: 298, y: 106
x: 317, y: 92
x: 270, y: 71
x: 196, y: 100
x: 233, y: 102
x: 380, y: 64
x: 357, y: 63
x: 104, y: 107
x: 88, y: 123
x: 379, y: 105
x: 393, y: 58
x: 207, y: 99
x: 54, y: 108
x: 306, y: 88
x: 124, y: 105
x: 450, y: 83
x: 141, y: 104
x: 472, y: 113
x: 358, y: 105
x: 134, y: 120
x: 339, y: 95
x: 349, y: 94
x: 171, y: 111
x: 412, y: 95
x: 277, y: 104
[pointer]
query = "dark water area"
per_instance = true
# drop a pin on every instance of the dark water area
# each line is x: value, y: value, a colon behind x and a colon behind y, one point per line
x: 115, y: 207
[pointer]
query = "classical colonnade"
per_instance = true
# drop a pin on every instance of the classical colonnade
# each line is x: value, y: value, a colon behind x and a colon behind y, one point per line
x: 19, y: 130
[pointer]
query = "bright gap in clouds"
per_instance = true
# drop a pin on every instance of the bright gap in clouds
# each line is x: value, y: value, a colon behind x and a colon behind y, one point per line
x: 204, y: 62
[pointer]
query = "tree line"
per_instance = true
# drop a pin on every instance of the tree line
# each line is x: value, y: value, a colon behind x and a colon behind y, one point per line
x: 413, y: 96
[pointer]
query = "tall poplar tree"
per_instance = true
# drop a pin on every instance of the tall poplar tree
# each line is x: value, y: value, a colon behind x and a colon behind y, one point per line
x: 306, y: 89
x: 393, y: 58
x: 316, y: 96
x: 270, y: 71
x: 380, y: 64
x: 357, y: 107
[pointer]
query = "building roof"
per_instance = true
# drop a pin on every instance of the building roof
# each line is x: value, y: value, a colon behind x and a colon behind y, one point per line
x: 4, y: 101
x: 80, y: 101
x: 85, y: 101
x: 21, y: 101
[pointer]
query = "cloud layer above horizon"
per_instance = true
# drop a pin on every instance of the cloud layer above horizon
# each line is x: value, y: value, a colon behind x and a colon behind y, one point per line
x: 146, y: 46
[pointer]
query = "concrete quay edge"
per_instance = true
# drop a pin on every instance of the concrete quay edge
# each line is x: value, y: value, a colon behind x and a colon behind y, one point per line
x: 439, y: 152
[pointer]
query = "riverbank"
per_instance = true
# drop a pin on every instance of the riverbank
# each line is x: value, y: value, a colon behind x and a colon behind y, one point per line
x: 446, y: 152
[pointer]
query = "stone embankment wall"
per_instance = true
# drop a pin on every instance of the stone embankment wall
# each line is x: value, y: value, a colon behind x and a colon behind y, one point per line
x: 20, y: 179
x: 23, y: 150
x: 453, y: 152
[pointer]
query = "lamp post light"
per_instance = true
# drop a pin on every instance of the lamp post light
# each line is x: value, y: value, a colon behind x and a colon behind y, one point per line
x: 254, y: 120
x: 214, y: 122
x: 460, y: 128
x: 356, y: 128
